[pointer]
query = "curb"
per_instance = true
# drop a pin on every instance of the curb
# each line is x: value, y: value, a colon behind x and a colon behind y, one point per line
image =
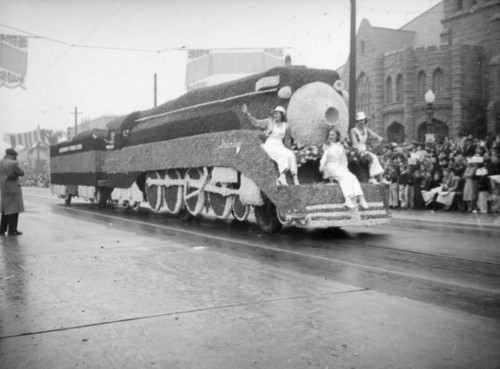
x: 487, y: 230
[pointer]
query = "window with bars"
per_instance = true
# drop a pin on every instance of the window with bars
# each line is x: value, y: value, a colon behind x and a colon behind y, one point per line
x: 438, y: 82
x: 363, y: 94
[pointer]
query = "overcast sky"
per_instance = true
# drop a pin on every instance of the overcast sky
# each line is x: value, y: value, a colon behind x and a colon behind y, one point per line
x: 101, y: 80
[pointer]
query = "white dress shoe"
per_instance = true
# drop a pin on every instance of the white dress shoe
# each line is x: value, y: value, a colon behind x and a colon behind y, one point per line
x: 363, y: 204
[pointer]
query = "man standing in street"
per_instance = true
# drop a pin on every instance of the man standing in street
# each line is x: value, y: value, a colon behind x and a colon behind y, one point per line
x: 11, y: 199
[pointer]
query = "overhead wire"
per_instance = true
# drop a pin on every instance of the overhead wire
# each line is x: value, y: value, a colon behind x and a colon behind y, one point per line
x: 77, y: 45
x: 178, y: 44
x: 153, y: 51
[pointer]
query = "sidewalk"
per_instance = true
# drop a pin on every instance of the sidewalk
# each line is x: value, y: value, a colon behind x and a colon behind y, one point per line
x: 471, y: 223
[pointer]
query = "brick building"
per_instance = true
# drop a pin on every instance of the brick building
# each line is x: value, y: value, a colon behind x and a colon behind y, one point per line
x: 452, y: 49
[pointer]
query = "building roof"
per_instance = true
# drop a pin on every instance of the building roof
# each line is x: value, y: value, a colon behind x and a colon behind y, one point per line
x: 387, y: 39
x: 428, y: 26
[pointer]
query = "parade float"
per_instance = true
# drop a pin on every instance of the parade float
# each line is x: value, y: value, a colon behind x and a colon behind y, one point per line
x: 200, y: 153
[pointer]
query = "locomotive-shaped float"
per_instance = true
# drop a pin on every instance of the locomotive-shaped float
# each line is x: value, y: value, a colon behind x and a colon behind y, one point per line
x: 200, y: 153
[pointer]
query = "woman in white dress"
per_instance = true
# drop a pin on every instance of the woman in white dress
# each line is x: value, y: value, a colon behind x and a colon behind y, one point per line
x: 277, y: 136
x: 333, y: 165
x: 360, y: 135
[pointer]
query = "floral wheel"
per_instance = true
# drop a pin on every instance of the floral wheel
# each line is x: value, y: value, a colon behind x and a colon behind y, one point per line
x: 194, y: 195
x: 173, y: 192
x: 220, y: 205
x: 240, y: 211
x: 283, y: 219
x: 154, y: 190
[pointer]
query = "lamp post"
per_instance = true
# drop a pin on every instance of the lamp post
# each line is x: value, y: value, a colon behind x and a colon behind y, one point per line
x: 430, y: 97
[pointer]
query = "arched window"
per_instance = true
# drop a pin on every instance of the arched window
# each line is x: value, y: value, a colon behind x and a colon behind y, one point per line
x: 438, y: 82
x: 396, y: 132
x: 420, y: 85
x: 399, y: 88
x: 363, y: 94
x: 388, y: 90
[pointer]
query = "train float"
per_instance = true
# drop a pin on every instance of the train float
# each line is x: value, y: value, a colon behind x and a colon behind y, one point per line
x: 200, y: 153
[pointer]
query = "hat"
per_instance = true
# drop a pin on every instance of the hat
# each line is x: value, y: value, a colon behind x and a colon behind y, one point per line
x: 360, y: 115
x: 11, y: 152
x: 280, y: 109
x: 482, y: 172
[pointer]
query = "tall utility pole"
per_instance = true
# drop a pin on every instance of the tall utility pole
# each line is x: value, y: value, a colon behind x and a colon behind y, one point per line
x: 76, y: 119
x: 155, y: 90
x: 352, y: 68
x: 38, y: 151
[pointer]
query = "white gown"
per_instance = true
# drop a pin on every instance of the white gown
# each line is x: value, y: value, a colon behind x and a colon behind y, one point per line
x: 278, y: 152
x: 334, y: 165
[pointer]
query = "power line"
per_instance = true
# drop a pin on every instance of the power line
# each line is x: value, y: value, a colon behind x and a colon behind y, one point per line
x: 155, y: 51
x: 221, y: 22
x: 76, y: 45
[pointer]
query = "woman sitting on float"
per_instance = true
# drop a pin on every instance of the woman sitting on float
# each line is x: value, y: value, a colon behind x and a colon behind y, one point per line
x: 277, y: 131
x: 360, y: 135
x: 333, y: 165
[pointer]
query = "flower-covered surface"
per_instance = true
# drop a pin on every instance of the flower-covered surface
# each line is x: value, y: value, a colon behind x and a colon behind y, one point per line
x: 241, y: 151
x: 218, y: 108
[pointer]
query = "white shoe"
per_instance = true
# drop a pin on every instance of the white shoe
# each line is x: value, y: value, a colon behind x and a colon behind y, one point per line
x: 362, y: 203
x: 282, y: 180
x: 372, y: 181
x: 385, y: 181
x: 349, y: 204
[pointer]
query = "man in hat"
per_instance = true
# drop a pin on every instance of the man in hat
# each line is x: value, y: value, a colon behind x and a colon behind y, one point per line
x: 360, y: 136
x: 11, y: 197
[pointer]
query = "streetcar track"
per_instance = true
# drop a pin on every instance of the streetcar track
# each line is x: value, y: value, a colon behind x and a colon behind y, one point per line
x: 344, y: 241
x: 358, y: 243
x: 297, y: 235
x: 233, y: 241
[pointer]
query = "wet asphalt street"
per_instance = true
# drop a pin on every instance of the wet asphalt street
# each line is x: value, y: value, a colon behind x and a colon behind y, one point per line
x: 84, y: 288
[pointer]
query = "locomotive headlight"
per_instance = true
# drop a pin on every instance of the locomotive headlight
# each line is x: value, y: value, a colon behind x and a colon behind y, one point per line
x: 313, y: 110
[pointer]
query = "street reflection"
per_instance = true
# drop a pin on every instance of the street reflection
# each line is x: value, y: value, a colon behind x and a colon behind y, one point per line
x: 12, y: 279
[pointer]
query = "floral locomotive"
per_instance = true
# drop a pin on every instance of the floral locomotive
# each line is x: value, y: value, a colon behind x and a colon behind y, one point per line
x: 201, y: 152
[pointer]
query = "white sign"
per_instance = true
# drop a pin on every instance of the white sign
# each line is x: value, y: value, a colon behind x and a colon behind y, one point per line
x: 430, y: 138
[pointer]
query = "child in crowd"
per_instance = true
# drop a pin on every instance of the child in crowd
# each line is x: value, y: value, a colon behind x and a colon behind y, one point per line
x: 403, y: 178
x: 470, y: 188
x: 449, y: 186
x: 392, y: 174
x: 483, y: 188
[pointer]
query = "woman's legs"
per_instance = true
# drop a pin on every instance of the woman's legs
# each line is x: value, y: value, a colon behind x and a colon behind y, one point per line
x: 362, y: 202
x: 282, y: 179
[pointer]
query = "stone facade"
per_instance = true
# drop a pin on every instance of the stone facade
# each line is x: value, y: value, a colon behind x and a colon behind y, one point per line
x: 452, y: 49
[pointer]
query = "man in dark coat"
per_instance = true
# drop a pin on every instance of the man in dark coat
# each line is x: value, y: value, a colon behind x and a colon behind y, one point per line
x: 11, y: 200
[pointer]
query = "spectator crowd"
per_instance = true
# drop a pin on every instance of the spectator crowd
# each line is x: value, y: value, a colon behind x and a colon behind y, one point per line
x: 460, y: 174
x: 36, y: 180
